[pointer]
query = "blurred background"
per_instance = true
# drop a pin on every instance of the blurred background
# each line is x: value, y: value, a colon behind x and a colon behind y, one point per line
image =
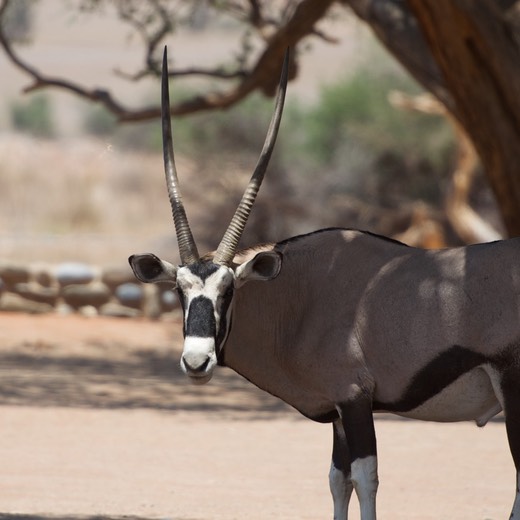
x: 356, y: 148
x: 402, y: 118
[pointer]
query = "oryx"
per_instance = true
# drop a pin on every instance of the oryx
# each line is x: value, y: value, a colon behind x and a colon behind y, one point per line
x: 342, y: 323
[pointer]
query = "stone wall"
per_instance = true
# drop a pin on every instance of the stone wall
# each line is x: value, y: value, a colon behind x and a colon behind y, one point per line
x: 75, y: 287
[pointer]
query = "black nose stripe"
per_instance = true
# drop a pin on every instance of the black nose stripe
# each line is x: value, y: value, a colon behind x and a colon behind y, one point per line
x: 201, y: 318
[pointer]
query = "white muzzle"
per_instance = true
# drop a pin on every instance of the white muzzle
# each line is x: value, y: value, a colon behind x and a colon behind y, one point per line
x: 198, y: 359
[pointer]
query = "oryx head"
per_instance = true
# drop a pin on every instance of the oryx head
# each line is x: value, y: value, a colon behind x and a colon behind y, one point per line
x: 206, y: 285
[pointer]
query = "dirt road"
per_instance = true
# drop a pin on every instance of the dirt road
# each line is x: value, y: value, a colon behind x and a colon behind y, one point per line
x: 96, y: 421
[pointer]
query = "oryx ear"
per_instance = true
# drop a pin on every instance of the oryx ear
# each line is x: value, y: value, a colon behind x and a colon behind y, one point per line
x: 149, y: 268
x: 264, y: 266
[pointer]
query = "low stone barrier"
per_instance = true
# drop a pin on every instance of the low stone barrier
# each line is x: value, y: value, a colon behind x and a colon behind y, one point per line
x: 76, y: 287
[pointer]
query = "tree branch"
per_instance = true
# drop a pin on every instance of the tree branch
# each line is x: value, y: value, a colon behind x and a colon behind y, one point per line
x: 263, y: 75
x: 151, y: 41
x: 477, y: 51
x: 466, y: 222
x: 397, y: 29
x: 218, y: 73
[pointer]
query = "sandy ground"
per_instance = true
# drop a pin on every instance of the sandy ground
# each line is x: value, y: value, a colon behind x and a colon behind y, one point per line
x: 96, y: 421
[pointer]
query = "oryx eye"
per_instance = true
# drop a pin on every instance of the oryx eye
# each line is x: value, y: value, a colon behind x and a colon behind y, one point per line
x: 226, y: 295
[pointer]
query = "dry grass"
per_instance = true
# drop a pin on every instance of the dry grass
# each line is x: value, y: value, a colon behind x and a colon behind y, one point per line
x: 76, y: 186
x: 85, y: 200
x: 78, y: 199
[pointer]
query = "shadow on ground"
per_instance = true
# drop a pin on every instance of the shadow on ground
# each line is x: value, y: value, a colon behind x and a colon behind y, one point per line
x: 114, y: 376
x: 8, y: 516
x: 111, y: 374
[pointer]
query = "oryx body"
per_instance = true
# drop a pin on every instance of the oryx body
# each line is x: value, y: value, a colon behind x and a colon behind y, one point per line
x: 341, y: 323
x: 422, y: 333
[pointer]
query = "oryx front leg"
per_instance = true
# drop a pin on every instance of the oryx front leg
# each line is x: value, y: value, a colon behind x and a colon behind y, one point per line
x: 339, y: 476
x: 358, y: 423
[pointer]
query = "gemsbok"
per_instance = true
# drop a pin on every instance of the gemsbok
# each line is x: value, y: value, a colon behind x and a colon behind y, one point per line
x: 340, y: 323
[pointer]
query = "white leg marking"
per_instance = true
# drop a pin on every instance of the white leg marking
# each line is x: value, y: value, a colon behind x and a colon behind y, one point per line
x: 364, y: 478
x: 341, y: 489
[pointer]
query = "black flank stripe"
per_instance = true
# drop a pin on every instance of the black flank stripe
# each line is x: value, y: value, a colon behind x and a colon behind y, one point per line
x: 434, y: 377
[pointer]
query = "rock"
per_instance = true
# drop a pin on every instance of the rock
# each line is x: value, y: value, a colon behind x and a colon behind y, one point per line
x: 37, y: 293
x: 79, y: 295
x: 115, y: 276
x: 130, y: 294
x: 10, y: 302
x: 89, y: 311
x: 70, y: 273
x: 116, y: 310
x: 44, y: 278
x: 12, y: 274
x: 169, y: 300
x: 64, y: 309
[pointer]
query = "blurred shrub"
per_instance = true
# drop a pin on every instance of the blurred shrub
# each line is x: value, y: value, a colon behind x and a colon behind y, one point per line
x: 350, y: 147
x: 98, y: 121
x: 33, y: 117
x: 358, y: 142
x: 238, y: 131
x: 225, y: 146
x: 367, y: 146
x: 17, y: 23
x: 142, y: 137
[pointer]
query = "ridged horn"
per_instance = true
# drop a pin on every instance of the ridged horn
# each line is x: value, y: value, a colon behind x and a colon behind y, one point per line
x: 187, y: 247
x: 229, y: 243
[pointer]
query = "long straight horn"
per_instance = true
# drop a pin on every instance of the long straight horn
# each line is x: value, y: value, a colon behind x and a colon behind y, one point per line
x: 228, y: 246
x: 187, y: 248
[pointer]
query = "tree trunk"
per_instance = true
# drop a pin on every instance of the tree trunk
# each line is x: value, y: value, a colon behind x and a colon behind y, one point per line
x: 474, y: 46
